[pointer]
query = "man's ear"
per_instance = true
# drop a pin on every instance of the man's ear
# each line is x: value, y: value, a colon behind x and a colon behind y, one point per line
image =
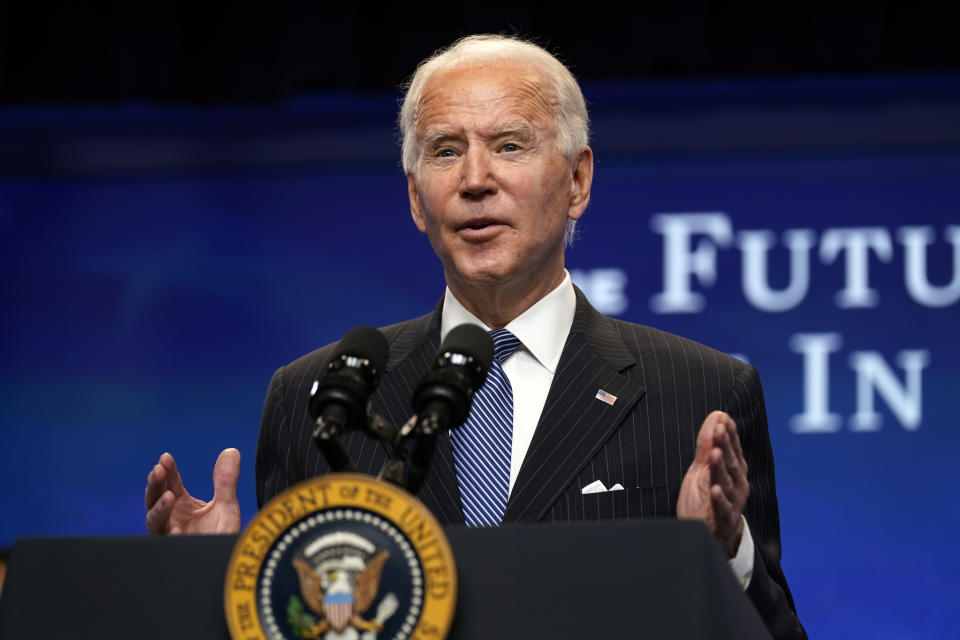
x: 416, y: 211
x: 582, y: 179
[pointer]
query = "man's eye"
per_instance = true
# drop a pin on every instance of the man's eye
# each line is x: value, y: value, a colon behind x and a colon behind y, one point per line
x: 510, y: 147
x: 445, y: 153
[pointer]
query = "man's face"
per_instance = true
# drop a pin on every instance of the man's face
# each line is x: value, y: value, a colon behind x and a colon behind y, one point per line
x: 492, y: 191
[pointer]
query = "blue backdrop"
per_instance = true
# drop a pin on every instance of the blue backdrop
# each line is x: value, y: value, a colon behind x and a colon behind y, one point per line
x: 157, y: 264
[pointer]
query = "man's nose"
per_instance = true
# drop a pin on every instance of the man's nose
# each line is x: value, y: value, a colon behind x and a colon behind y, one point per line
x: 477, y: 179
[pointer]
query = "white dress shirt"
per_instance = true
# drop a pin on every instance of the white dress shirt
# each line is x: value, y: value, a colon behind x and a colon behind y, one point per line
x: 543, y: 329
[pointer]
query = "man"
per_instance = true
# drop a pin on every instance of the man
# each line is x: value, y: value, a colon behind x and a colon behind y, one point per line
x: 499, y: 170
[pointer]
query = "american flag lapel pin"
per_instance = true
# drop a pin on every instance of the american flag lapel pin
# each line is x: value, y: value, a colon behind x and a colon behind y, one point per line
x: 603, y: 396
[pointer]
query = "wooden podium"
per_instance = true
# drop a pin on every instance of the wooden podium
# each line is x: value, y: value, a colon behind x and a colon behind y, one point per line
x: 648, y: 579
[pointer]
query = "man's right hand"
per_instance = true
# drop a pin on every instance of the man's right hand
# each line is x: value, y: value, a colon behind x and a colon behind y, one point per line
x: 172, y: 510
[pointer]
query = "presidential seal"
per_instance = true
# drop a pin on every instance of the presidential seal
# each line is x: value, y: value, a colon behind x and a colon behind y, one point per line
x: 341, y: 557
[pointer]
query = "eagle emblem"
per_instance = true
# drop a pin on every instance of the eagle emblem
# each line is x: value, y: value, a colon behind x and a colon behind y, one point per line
x: 339, y: 579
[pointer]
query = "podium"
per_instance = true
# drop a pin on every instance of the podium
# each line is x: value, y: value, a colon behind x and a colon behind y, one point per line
x: 649, y: 579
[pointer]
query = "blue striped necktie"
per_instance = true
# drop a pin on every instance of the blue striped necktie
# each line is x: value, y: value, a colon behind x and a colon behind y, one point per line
x: 482, y: 445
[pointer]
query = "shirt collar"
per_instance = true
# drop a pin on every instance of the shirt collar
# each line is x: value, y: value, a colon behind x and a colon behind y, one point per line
x: 543, y: 328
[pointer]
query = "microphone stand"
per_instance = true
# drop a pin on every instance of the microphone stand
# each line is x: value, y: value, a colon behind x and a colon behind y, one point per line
x: 405, y: 469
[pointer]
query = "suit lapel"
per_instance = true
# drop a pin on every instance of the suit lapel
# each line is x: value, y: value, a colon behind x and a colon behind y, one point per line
x: 575, y: 424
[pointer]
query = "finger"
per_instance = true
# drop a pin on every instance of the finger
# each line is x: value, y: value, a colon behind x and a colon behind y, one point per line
x: 718, y: 421
x: 705, y: 438
x: 156, y: 485
x: 174, y: 481
x: 724, y: 514
x: 158, y: 517
x: 730, y: 459
x: 719, y: 474
x: 734, y: 436
x: 724, y: 511
x: 226, y: 473
x: 733, y: 456
x: 727, y: 439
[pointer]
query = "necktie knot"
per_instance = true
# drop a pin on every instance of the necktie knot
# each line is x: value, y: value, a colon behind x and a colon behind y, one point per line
x: 504, y: 344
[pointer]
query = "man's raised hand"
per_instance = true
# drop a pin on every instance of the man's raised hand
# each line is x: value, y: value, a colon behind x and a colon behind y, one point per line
x: 172, y: 510
x: 715, y: 488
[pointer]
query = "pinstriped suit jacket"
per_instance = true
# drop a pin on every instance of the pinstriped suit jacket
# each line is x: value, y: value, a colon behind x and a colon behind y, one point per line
x: 665, y: 386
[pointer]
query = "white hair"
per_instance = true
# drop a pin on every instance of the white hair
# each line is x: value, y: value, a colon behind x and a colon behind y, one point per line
x: 570, y: 109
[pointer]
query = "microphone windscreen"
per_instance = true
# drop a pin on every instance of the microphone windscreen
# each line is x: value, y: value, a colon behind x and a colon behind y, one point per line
x: 365, y: 342
x: 471, y: 340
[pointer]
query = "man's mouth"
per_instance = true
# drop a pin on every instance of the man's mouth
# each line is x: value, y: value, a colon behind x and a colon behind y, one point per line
x: 479, y: 223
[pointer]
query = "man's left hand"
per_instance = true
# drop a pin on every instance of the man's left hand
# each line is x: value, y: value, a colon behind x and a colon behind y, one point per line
x: 715, y: 488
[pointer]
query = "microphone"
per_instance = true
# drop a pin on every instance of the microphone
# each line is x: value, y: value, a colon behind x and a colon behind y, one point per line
x: 338, y: 400
x: 442, y: 399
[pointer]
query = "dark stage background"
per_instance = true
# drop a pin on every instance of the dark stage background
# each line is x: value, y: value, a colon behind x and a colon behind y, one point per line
x: 189, y: 201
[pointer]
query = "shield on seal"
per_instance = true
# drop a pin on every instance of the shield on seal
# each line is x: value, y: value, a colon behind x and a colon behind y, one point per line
x: 338, y: 609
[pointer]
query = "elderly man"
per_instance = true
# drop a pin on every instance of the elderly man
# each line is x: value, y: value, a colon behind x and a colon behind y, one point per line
x: 498, y: 172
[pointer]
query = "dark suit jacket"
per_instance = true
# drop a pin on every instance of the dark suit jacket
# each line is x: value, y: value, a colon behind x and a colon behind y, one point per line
x: 665, y: 386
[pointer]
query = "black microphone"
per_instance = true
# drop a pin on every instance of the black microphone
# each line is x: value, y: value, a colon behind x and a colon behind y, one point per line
x: 338, y: 400
x: 442, y: 399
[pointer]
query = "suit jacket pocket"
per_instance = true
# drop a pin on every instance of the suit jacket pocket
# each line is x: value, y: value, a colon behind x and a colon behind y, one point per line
x: 641, y: 502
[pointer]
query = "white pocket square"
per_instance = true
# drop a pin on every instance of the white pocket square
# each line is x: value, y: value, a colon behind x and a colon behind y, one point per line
x: 598, y: 487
